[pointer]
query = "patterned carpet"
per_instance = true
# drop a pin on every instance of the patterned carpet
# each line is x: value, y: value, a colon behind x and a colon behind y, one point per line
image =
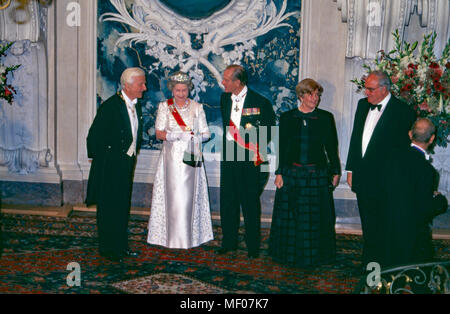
x: 37, y: 251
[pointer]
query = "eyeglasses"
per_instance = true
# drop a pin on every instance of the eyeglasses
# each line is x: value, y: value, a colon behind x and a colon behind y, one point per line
x: 371, y: 89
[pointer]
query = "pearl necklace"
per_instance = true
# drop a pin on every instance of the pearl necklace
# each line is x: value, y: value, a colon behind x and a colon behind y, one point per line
x: 186, y: 104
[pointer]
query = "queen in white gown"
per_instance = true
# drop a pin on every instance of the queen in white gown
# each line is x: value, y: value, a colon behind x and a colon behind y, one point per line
x: 180, y: 216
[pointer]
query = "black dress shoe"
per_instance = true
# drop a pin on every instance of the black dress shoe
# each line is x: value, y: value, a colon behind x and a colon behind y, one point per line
x: 223, y: 251
x: 130, y: 253
x: 113, y: 257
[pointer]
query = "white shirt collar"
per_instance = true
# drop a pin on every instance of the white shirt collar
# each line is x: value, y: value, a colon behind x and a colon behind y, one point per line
x: 128, y: 101
x: 384, y: 102
x: 427, y: 156
x: 241, y: 95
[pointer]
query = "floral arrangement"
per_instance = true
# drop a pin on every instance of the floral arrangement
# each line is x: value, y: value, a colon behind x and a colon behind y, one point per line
x: 6, y: 91
x: 422, y: 80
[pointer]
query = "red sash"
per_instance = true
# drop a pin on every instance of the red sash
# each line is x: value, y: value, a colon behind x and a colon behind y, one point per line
x: 177, y: 117
x: 234, y: 131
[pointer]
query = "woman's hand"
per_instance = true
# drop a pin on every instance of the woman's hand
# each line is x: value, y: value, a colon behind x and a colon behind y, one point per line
x: 161, y: 135
x: 279, y: 181
x: 167, y: 136
x: 186, y: 136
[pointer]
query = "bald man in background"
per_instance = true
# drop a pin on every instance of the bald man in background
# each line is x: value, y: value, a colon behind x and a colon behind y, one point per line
x: 410, y: 200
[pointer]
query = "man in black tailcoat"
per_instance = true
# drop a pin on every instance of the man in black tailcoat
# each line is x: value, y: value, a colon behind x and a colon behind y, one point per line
x: 410, y: 200
x: 381, y: 124
x: 113, y: 142
x: 247, y: 120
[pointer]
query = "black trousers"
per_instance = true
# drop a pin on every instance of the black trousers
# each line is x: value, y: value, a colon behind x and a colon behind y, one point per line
x: 114, y: 201
x: 241, y: 185
x: 371, y: 213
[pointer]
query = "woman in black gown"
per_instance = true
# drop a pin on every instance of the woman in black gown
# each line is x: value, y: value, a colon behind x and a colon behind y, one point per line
x: 303, y: 223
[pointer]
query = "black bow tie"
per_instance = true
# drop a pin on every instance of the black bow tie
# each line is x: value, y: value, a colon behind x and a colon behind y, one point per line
x: 372, y: 107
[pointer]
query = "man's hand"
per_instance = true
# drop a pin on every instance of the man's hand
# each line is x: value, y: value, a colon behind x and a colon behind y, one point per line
x: 349, y: 179
x: 336, y: 179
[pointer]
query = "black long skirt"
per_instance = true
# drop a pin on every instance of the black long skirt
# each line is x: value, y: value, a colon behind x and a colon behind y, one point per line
x: 303, y: 221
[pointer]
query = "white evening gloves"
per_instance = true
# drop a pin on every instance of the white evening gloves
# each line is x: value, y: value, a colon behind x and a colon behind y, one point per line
x: 186, y: 137
x: 173, y: 136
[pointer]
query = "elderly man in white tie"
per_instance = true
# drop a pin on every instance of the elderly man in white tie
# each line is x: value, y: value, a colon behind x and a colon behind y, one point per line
x: 113, y: 142
x: 247, y: 118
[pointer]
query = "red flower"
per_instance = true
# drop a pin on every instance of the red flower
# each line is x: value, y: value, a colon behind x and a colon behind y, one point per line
x: 7, y: 91
x: 434, y: 65
x: 424, y: 106
x: 409, y: 72
x: 438, y: 87
x: 436, y: 72
x: 407, y: 87
x: 394, y: 79
x: 435, y: 78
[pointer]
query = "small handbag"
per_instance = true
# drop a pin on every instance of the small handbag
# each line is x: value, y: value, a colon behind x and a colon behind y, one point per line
x: 191, y: 158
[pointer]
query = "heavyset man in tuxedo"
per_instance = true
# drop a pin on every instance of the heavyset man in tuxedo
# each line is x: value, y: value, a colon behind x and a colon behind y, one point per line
x: 244, y: 112
x: 381, y: 125
x: 410, y: 200
x: 113, y: 142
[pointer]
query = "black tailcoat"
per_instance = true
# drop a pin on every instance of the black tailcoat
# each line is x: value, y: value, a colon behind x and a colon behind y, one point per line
x: 241, y: 182
x: 409, y: 206
x: 111, y: 174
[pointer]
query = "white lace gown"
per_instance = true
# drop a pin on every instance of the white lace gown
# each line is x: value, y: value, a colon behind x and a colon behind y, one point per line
x: 180, y: 216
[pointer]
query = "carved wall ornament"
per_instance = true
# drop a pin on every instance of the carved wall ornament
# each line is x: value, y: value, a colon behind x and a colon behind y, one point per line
x: 169, y: 37
x: 21, y: 13
x: 21, y: 22
x: 372, y: 22
x: 23, y: 126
